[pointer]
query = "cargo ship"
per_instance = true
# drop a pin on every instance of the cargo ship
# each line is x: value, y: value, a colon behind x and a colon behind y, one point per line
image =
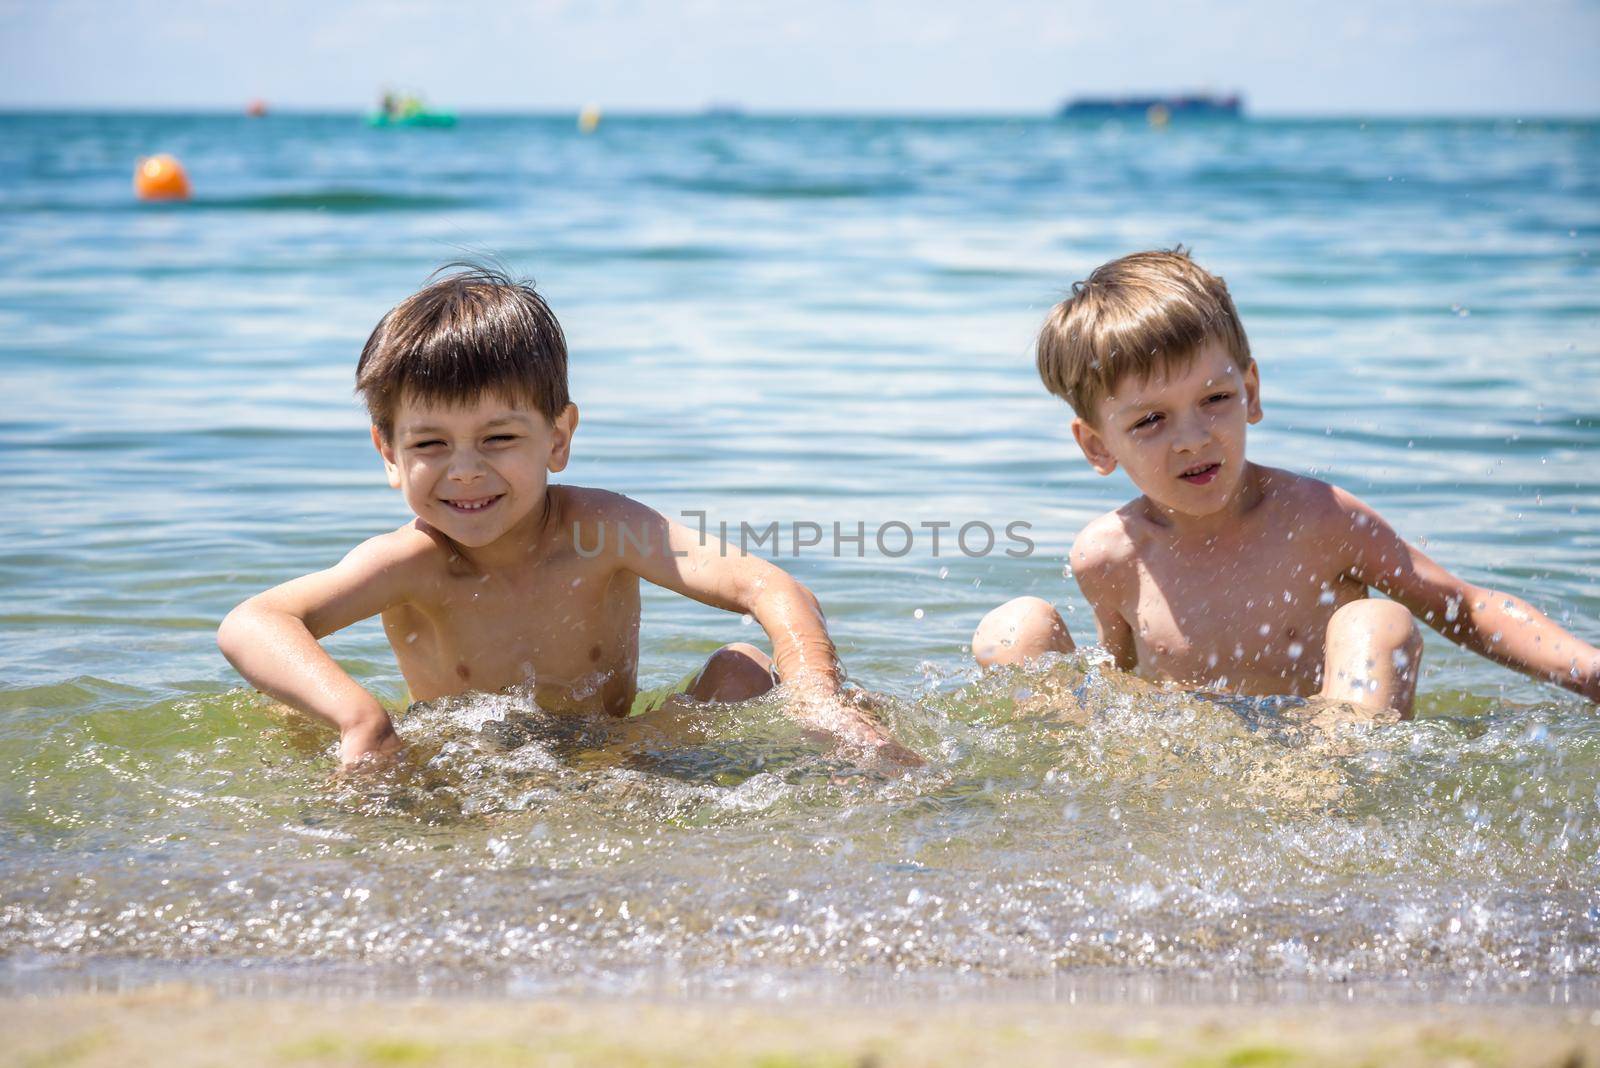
x: 1155, y: 108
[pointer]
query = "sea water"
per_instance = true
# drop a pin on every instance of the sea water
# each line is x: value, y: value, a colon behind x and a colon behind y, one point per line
x: 791, y: 320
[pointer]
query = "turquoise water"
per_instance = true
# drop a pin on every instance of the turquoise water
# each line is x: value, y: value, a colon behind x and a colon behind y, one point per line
x: 781, y: 320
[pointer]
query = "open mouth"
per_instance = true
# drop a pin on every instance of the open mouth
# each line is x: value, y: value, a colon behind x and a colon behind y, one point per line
x: 469, y: 505
x: 1200, y: 474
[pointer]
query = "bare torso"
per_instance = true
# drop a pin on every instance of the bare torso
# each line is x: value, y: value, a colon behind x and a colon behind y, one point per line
x: 551, y: 617
x: 1245, y: 609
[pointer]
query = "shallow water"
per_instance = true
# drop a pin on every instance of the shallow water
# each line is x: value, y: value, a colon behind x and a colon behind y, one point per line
x: 782, y: 320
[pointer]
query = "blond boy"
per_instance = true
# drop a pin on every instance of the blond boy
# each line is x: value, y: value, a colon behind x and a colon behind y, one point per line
x: 504, y: 579
x: 1225, y: 574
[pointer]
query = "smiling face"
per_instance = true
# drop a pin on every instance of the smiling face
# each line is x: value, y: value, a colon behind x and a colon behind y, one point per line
x: 1179, y: 436
x: 475, y: 471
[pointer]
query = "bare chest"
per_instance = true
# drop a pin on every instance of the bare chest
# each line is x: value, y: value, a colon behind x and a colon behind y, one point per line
x: 1253, y: 622
x: 569, y: 633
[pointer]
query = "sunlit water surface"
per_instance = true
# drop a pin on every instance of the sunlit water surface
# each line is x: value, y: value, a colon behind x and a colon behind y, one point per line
x: 819, y: 320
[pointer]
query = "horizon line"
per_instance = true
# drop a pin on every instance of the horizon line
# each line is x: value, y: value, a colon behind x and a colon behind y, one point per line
x: 735, y: 111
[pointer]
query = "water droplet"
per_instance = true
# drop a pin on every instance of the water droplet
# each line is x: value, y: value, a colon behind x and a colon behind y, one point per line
x: 917, y: 614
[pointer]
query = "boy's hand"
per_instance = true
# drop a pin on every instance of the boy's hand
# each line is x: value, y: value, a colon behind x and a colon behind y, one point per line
x: 373, y: 738
x: 850, y: 720
x: 890, y: 756
x: 1591, y: 684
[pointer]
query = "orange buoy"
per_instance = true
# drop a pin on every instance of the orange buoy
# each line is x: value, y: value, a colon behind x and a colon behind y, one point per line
x: 160, y: 178
x: 256, y: 108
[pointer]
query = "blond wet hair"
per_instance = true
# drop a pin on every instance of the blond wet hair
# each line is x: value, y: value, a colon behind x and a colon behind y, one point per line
x: 1143, y: 315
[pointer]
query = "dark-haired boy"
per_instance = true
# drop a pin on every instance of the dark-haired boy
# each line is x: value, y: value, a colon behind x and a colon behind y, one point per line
x: 1225, y: 574
x: 504, y: 579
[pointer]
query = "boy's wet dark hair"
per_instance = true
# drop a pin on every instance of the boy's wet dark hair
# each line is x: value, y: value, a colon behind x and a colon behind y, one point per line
x: 1136, y: 316
x: 474, y: 330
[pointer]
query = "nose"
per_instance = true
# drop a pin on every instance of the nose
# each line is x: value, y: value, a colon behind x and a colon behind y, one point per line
x: 466, y: 465
x: 1191, y: 434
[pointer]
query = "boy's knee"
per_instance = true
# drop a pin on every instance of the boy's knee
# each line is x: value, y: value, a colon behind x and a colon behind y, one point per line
x: 1020, y: 629
x: 1377, y: 624
x: 1374, y: 651
x: 736, y: 672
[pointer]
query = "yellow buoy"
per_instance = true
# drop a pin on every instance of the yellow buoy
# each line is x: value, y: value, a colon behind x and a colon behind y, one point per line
x: 1158, y: 116
x: 589, y: 118
x: 160, y: 178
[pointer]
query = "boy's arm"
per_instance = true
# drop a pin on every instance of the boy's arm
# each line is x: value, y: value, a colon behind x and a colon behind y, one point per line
x: 1496, y: 625
x: 714, y: 574
x: 272, y: 640
x: 1096, y: 560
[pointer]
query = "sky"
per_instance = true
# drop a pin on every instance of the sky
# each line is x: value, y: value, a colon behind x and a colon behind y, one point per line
x: 1288, y: 57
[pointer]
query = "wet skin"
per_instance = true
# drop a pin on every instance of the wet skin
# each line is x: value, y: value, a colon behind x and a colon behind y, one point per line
x: 487, y: 588
x: 1227, y: 574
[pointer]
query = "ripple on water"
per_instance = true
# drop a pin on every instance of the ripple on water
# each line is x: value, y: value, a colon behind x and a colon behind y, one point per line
x: 1070, y: 819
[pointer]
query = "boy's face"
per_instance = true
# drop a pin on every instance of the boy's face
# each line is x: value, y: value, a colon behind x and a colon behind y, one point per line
x: 1180, y: 437
x: 474, y: 471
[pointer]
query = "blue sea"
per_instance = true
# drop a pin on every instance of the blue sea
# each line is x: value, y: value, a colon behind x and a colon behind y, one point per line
x: 791, y: 320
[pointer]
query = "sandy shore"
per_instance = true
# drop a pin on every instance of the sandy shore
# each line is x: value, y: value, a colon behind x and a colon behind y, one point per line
x: 182, y: 1025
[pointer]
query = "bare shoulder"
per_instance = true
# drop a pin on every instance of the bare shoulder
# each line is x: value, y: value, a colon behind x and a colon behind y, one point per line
x: 1328, y: 505
x: 584, y: 504
x: 1104, y: 551
x: 412, y: 555
x: 1310, y: 503
x: 380, y: 573
x: 1342, y: 527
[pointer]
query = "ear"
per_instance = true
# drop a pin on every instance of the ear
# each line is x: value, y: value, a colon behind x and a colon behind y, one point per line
x: 1093, y: 446
x: 565, y: 425
x: 1252, y: 393
x: 386, y: 450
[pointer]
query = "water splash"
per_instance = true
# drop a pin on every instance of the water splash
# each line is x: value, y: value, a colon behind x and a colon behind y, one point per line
x: 1071, y: 821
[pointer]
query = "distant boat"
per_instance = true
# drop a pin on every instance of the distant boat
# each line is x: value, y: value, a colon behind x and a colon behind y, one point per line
x: 407, y: 109
x: 1157, y: 109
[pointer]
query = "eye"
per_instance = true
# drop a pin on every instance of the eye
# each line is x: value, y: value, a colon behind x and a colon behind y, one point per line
x: 501, y: 439
x: 427, y: 443
x: 1148, y: 421
x: 1217, y: 398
